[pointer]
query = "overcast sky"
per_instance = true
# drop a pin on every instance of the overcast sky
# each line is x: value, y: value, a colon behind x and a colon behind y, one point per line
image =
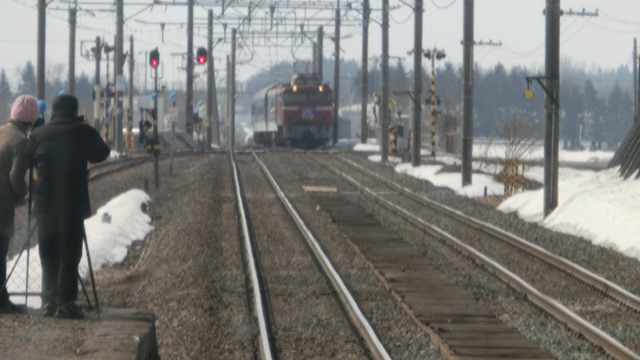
x: 604, y: 41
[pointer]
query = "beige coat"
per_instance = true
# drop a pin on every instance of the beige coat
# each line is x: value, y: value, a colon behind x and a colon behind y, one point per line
x: 13, y: 167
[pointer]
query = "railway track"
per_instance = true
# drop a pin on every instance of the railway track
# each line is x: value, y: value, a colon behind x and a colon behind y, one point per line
x: 477, y: 329
x: 113, y: 166
x: 596, y: 308
x: 302, y: 306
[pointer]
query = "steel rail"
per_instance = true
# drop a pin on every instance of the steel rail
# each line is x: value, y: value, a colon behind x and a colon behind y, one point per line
x: 259, y: 302
x: 117, y: 166
x: 127, y: 162
x: 351, y: 306
x: 613, y: 290
x: 610, y: 345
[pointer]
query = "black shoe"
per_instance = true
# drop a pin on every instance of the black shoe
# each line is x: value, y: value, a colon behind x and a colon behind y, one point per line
x: 11, y: 308
x: 69, y: 310
x: 49, y: 309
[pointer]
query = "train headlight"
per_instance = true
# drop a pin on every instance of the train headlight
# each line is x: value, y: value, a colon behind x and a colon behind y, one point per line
x: 321, y: 88
x: 295, y: 88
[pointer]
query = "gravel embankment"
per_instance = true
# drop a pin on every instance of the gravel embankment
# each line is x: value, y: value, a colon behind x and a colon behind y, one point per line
x: 189, y: 271
x: 510, y: 307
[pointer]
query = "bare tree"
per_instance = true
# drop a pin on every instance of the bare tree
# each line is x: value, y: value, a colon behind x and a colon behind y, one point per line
x: 520, y: 139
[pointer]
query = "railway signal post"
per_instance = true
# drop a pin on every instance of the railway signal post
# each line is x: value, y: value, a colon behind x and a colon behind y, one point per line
x: 201, y: 58
x: 153, y: 146
x: 434, y: 54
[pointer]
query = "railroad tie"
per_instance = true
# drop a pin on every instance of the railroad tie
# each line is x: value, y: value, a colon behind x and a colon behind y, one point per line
x: 455, y: 318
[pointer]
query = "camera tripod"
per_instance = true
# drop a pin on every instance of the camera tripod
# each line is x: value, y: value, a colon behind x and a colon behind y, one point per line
x: 27, y: 247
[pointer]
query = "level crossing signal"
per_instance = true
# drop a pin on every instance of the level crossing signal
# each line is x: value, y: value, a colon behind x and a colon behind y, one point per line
x: 154, y: 58
x: 201, y: 56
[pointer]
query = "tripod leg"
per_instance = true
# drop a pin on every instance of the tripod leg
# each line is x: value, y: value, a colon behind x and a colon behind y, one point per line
x: 84, y: 290
x: 93, y: 282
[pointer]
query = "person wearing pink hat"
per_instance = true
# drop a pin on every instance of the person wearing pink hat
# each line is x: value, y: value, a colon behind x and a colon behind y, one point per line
x: 13, y: 185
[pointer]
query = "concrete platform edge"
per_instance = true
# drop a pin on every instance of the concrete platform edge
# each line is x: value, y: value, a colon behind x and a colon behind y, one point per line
x: 123, y: 334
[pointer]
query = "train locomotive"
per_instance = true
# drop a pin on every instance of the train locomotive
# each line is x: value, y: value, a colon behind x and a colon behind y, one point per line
x: 299, y: 113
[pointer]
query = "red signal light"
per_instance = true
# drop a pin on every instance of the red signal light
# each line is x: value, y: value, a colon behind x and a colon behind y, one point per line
x: 201, y: 56
x: 154, y: 58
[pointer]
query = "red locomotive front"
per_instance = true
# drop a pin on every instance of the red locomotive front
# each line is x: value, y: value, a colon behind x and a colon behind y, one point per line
x: 302, y: 112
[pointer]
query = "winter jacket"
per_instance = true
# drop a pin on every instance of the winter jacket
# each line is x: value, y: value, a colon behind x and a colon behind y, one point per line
x: 60, y: 151
x: 13, y: 167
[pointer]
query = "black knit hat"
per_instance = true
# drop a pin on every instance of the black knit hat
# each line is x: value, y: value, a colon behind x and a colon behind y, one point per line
x: 65, y: 105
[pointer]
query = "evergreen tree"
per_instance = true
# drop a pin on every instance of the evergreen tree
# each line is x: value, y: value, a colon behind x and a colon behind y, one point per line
x: 533, y: 109
x: 619, y: 115
x: 5, y: 88
x: 593, y: 118
x: 398, y: 77
x: 84, y: 93
x: 6, y: 97
x: 483, y: 102
x: 572, y: 110
x: 375, y: 77
x: 449, y: 90
x: 52, y: 87
x: 27, y: 84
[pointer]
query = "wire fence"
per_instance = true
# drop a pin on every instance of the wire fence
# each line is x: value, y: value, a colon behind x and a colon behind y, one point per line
x: 24, y: 272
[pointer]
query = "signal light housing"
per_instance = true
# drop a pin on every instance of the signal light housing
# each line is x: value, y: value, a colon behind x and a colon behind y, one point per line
x: 201, y: 56
x: 154, y: 58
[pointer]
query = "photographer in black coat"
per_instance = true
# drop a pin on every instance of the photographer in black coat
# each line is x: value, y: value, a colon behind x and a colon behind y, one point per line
x: 59, y: 151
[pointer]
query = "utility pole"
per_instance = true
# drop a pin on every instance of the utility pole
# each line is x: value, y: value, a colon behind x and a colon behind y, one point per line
x: 232, y: 83
x: 417, y: 85
x: 552, y: 110
x: 130, y: 93
x: 71, y: 74
x: 189, y: 94
x: 314, y: 58
x: 119, y: 71
x: 146, y: 72
x: 551, y: 88
x: 156, y: 141
x: 211, y: 87
x: 42, y: 26
x: 467, y: 93
x: 107, y: 94
x: 384, y: 105
x: 364, y: 129
x: 97, y: 93
x: 336, y: 77
x: 319, y: 54
x: 228, y: 100
x: 210, y: 81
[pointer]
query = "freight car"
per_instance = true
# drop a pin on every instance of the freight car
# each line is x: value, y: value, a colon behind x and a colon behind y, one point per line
x: 298, y: 113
